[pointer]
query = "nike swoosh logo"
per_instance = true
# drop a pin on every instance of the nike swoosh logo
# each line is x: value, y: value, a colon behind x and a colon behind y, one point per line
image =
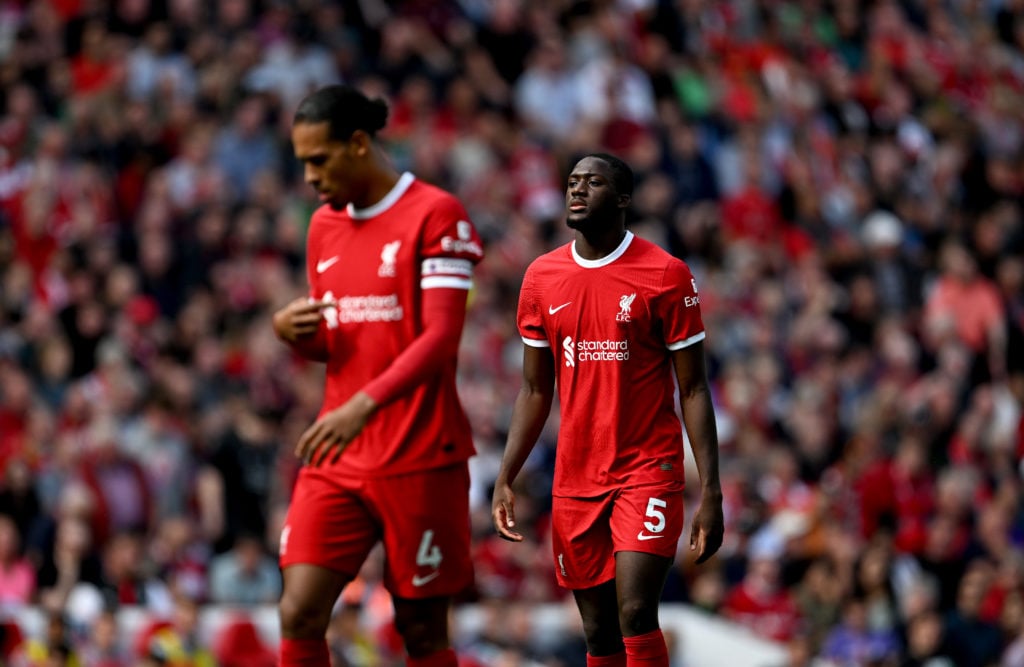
x: 325, y: 264
x: 418, y: 581
x: 640, y: 536
x: 552, y: 310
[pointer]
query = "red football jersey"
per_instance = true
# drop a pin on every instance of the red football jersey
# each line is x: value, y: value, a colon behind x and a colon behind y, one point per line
x: 374, y: 263
x: 612, y: 325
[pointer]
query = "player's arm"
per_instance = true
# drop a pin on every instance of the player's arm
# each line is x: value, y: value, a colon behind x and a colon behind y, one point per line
x: 528, y: 416
x: 444, y: 313
x: 699, y: 419
x: 298, y: 324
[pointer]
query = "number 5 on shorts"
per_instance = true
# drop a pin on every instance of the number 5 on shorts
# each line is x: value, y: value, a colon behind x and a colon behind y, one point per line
x: 653, y: 511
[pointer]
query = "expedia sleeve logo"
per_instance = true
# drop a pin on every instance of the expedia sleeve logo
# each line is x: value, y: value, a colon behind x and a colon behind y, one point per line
x: 694, y: 300
x: 464, y: 243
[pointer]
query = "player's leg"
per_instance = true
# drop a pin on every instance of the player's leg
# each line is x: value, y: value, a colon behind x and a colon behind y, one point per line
x: 426, y: 535
x: 326, y: 537
x: 599, y: 611
x: 646, y: 524
x: 584, y: 554
x: 423, y: 625
x: 640, y: 580
x: 307, y: 599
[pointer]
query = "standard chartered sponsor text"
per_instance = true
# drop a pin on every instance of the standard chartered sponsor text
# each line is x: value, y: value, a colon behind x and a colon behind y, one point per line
x: 370, y: 308
x: 602, y: 350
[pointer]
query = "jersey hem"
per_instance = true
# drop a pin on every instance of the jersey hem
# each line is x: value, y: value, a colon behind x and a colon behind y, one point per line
x: 533, y: 342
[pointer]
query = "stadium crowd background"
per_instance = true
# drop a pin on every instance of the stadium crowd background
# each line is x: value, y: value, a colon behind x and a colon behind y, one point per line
x: 843, y: 177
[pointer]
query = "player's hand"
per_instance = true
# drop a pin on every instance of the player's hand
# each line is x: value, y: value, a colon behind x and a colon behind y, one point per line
x: 332, y: 432
x: 301, y: 317
x: 503, y: 511
x: 708, y: 527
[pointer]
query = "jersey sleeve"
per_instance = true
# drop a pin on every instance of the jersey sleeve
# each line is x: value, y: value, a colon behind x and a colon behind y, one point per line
x: 528, y: 315
x: 678, y: 308
x: 450, y: 246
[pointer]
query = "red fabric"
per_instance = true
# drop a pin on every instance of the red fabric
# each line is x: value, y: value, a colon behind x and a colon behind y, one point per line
x: 379, y: 266
x: 11, y: 637
x: 444, y: 312
x: 885, y: 489
x: 444, y: 658
x: 752, y: 215
x: 238, y: 644
x: 90, y: 76
x: 646, y: 650
x: 617, y: 660
x: 147, y: 633
x: 773, y: 615
x: 609, y: 328
x: 304, y: 653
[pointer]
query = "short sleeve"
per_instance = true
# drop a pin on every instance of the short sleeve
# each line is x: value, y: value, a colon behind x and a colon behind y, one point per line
x: 450, y: 246
x: 678, y: 307
x: 528, y: 315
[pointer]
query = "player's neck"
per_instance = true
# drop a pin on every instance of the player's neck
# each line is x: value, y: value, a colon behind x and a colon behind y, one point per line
x: 597, y: 243
x: 380, y: 181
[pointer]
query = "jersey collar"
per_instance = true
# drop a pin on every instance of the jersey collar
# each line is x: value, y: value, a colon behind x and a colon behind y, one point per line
x: 387, y: 202
x: 607, y: 259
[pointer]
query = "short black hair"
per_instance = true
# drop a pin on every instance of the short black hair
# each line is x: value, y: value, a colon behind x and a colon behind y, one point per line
x: 622, y: 173
x: 345, y: 109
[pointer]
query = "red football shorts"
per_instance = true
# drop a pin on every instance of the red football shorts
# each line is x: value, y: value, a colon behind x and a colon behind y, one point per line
x: 422, y: 519
x: 586, y: 533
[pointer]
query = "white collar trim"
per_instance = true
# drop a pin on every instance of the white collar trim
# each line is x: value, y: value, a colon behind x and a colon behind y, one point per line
x: 387, y: 202
x: 607, y: 259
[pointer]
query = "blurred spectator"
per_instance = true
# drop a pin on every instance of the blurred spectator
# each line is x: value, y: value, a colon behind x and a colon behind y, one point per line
x: 175, y: 641
x: 245, y: 574
x: 853, y: 641
x: 17, y: 574
x: 246, y: 461
x: 965, y: 307
x: 761, y: 603
x: 118, y: 484
x: 972, y: 641
x: 55, y: 648
x: 125, y: 580
x: 247, y: 147
x: 103, y: 645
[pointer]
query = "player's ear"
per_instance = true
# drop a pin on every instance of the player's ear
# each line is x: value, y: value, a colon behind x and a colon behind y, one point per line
x: 624, y: 200
x: 359, y: 143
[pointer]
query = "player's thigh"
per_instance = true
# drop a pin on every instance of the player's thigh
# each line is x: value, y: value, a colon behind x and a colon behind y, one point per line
x: 328, y: 524
x: 426, y: 532
x: 648, y: 519
x: 581, y: 541
x: 308, y: 598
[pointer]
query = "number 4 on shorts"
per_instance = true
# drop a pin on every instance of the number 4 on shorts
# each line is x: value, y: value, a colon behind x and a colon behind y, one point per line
x: 429, y: 555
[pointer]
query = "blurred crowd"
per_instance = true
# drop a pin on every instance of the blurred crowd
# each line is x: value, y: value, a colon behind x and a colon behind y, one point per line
x: 844, y: 178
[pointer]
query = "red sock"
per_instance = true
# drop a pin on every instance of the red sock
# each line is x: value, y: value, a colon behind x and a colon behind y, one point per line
x: 304, y: 653
x: 445, y: 658
x: 647, y: 650
x: 617, y: 660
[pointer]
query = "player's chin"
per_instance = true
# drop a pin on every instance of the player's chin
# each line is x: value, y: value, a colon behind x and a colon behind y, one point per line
x: 577, y: 220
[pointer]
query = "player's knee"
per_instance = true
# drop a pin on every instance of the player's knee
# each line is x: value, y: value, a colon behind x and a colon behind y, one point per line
x: 302, y: 617
x: 637, y: 617
x: 421, y: 634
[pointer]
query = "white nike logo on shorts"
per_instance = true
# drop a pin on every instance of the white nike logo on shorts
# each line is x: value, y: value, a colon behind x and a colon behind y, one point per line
x: 325, y: 264
x: 418, y: 581
x: 552, y: 310
x: 640, y: 536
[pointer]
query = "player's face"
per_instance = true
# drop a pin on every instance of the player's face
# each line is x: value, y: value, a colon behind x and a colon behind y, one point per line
x: 329, y: 164
x: 590, y: 196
